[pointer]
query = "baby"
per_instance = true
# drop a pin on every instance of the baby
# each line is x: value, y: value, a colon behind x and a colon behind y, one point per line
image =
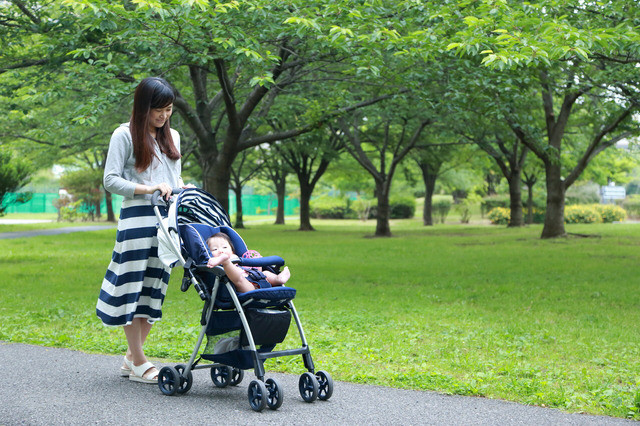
x: 222, y: 251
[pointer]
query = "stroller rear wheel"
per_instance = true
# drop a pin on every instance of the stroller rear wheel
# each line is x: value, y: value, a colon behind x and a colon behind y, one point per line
x: 275, y: 395
x: 308, y: 385
x: 258, y: 395
x: 221, y: 376
x: 236, y: 377
x: 185, y: 382
x: 168, y: 380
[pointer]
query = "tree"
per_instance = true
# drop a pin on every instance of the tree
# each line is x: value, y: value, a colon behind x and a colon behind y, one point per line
x: 245, y: 167
x: 309, y: 159
x: 14, y: 174
x: 379, y: 143
x: 580, y: 60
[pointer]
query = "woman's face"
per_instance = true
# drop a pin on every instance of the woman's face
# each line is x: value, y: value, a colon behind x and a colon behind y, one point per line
x: 159, y: 116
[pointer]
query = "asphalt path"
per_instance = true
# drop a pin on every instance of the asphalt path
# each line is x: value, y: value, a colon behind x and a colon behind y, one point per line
x: 51, y: 386
x: 53, y: 231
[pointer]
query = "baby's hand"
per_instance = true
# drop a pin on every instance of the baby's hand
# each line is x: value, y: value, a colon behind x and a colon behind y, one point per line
x: 217, y: 260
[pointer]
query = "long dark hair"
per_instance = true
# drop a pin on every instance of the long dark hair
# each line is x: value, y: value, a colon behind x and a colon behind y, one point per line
x: 152, y: 92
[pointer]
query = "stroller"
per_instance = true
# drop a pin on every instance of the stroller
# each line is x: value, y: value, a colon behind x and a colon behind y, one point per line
x: 254, y: 322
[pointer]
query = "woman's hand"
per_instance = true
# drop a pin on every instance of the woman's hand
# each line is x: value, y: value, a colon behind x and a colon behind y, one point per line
x: 164, y: 189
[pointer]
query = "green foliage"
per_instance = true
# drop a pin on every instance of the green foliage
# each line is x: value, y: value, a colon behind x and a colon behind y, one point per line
x: 610, y: 213
x: 402, y: 207
x: 14, y: 174
x: 632, y: 205
x: 499, y: 216
x: 490, y: 202
x: 326, y: 207
x: 441, y: 205
x: 85, y: 186
x: 464, y: 206
x: 580, y: 213
x: 583, y: 194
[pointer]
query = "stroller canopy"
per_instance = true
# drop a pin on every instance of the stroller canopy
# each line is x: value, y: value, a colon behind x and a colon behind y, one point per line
x: 193, y: 206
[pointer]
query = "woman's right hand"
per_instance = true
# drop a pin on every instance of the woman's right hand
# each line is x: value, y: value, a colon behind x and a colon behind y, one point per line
x: 164, y: 189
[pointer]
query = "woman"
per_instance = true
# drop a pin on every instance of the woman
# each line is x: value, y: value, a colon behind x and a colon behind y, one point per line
x: 144, y: 157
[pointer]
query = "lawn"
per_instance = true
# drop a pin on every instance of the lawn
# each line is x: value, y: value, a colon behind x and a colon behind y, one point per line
x: 470, y: 310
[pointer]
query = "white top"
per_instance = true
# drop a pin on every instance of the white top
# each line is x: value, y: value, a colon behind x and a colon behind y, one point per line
x: 120, y: 174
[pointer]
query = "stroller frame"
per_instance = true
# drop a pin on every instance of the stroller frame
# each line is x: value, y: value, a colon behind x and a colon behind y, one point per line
x: 178, y: 380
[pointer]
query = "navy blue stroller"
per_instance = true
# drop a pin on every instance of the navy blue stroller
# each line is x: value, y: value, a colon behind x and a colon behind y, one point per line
x: 242, y: 329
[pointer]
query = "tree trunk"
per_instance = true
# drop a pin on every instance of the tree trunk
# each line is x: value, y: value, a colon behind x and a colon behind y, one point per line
x: 383, y: 228
x: 305, y: 209
x: 554, y: 216
x: 280, y: 193
x: 530, y: 204
x: 515, y: 197
x: 111, y: 217
x: 217, y: 183
x: 430, y: 185
x: 239, y: 215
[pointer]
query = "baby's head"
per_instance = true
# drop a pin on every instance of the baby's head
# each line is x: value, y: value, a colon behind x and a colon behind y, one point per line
x: 220, y: 243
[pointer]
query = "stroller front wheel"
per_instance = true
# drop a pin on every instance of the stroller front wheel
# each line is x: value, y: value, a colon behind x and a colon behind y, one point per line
x: 308, y: 386
x: 325, y: 382
x: 258, y: 395
x: 276, y: 394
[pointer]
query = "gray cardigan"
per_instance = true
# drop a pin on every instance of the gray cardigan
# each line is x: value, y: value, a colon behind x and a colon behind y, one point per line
x: 120, y: 175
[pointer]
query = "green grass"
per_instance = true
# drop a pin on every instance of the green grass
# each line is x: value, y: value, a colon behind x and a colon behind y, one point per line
x: 470, y: 310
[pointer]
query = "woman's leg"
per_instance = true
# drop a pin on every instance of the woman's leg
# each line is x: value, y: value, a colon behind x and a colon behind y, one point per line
x: 136, y: 334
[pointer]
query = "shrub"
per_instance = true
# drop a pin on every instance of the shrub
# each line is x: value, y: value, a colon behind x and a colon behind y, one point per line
x: 611, y: 213
x: 632, y: 205
x: 490, y: 202
x: 328, y: 208
x: 499, y: 216
x: 581, y: 213
x: 402, y: 207
x: 362, y: 207
x: 588, y: 193
x: 441, y: 205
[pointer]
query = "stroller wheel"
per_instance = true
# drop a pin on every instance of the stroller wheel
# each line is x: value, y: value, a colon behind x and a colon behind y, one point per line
x: 258, y: 395
x: 236, y: 377
x: 308, y: 386
x: 168, y: 380
x: 275, y: 394
x: 325, y: 385
x: 185, y: 382
x: 221, y: 376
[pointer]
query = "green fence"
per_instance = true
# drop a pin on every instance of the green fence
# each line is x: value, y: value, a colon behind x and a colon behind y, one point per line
x: 251, y: 204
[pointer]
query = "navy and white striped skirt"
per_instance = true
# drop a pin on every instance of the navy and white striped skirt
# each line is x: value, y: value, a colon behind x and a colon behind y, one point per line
x: 136, y: 280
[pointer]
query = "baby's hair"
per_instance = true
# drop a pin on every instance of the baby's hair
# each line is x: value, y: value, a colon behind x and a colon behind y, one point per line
x: 224, y: 237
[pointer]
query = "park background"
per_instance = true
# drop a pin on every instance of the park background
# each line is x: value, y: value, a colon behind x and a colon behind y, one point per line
x: 412, y: 120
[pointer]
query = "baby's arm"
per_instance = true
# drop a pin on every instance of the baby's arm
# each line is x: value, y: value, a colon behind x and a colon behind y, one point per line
x: 279, y: 279
x: 234, y: 273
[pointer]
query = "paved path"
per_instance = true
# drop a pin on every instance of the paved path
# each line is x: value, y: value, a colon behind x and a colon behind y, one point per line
x: 54, y: 231
x: 47, y: 386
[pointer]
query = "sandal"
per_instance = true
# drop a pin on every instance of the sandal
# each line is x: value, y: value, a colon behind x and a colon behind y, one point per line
x: 138, y: 373
x: 125, y: 369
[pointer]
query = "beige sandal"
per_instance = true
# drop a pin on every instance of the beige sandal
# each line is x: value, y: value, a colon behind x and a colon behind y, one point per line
x: 125, y: 369
x: 138, y: 373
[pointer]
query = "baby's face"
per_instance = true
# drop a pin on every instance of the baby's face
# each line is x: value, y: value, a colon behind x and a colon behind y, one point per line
x: 219, y: 246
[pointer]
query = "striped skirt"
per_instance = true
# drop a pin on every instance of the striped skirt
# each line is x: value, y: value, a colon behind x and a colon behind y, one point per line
x: 136, y: 280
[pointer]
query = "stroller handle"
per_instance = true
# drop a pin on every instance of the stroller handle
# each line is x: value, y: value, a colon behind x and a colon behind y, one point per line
x: 157, y: 201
